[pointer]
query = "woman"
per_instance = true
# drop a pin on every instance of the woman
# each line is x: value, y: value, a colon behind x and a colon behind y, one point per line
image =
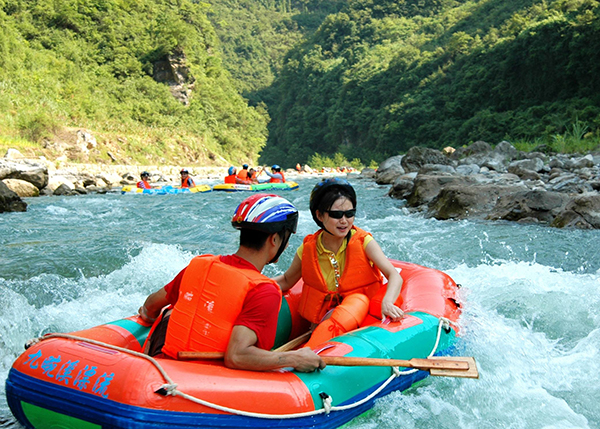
x: 341, y: 266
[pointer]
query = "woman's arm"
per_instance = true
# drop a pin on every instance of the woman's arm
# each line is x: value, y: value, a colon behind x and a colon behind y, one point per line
x: 388, y: 308
x: 291, y: 276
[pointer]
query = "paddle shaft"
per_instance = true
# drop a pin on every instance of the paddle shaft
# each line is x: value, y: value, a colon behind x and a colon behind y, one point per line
x: 412, y: 363
x: 425, y: 364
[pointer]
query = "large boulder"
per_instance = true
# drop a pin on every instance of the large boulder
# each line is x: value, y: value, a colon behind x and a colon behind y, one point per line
x: 427, y: 187
x: 582, y: 211
x: 34, y: 173
x: 401, y: 188
x: 22, y: 188
x: 389, y: 170
x: 478, y: 148
x: 535, y: 204
x: 458, y: 201
x: 507, y: 151
x: 10, y: 201
x: 417, y: 157
x: 367, y: 173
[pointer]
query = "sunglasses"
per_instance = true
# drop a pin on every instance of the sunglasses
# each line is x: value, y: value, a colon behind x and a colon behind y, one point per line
x: 338, y: 214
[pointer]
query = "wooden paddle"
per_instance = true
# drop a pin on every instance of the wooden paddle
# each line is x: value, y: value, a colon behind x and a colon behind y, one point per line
x: 292, y: 344
x: 446, y: 366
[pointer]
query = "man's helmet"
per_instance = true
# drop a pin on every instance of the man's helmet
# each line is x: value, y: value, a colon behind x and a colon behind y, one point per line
x: 245, y: 166
x: 231, y: 170
x: 145, y: 174
x: 184, y: 171
x: 266, y: 212
x: 276, y: 168
x: 334, y: 184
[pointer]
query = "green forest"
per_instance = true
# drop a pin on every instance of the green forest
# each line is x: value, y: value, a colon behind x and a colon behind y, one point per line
x: 382, y: 76
x: 93, y: 64
x: 287, y: 81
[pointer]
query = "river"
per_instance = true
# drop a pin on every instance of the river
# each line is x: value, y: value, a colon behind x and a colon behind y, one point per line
x: 531, y: 293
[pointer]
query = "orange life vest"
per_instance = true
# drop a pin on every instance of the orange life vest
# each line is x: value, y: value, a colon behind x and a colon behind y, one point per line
x: 359, y: 276
x: 243, y: 174
x: 230, y: 178
x: 187, y: 183
x: 142, y: 184
x: 211, y: 296
x: 275, y: 180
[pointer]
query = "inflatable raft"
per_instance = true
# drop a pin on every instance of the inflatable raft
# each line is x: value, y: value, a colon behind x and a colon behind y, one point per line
x: 98, y: 378
x: 132, y: 189
x: 259, y: 187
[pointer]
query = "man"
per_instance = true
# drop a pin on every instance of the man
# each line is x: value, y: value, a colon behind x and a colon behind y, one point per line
x: 231, y: 175
x: 224, y: 303
x: 276, y: 176
x: 243, y: 173
x: 186, y: 180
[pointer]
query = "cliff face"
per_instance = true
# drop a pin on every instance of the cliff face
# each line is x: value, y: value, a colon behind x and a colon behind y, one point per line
x: 175, y: 72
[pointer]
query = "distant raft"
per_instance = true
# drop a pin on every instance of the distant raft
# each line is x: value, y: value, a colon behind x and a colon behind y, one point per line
x: 259, y: 187
x: 132, y: 189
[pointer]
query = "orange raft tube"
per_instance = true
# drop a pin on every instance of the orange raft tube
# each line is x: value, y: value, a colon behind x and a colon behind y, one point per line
x: 98, y: 378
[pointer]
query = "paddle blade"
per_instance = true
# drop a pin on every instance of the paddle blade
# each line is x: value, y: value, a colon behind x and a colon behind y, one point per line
x: 472, y: 372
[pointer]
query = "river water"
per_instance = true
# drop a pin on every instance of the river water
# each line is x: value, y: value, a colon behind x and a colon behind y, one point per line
x: 532, y: 294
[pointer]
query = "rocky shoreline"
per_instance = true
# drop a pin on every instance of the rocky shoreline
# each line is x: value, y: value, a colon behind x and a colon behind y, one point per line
x: 501, y: 183
x: 474, y: 182
x: 22, y: 177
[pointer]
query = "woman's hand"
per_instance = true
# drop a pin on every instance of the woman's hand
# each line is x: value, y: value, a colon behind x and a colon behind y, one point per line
x: 390, y: 310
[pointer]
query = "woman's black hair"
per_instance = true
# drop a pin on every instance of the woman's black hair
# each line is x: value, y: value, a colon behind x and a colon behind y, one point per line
x: 327, y: 192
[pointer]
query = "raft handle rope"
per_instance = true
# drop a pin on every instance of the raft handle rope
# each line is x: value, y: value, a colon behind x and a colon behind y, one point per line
x: 170, y: 388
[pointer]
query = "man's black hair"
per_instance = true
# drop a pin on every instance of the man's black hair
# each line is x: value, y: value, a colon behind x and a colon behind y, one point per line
x: 255, y: 239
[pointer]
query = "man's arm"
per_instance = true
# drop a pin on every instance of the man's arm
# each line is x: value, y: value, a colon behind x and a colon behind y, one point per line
x: 243, y: 354
x: 152, y: 306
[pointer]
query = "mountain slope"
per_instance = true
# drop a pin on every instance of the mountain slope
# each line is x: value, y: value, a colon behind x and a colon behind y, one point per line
x: 144, y: 76
x: 382, y: 76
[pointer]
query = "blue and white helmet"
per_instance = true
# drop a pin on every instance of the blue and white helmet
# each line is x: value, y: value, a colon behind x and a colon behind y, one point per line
x: 266, y: 212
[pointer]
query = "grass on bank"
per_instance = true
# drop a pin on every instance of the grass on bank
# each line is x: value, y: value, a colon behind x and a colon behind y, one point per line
x: 577, y: 139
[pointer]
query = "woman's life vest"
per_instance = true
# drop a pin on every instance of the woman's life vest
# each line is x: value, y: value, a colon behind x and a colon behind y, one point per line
x: 142, y: 184
x: 277, y: 180
x: 211, y: 297
x: 359, y: 276
x: 230, y: 178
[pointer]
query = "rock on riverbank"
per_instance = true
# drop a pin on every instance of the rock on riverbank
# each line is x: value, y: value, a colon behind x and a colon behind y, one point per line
x: 479, y: 182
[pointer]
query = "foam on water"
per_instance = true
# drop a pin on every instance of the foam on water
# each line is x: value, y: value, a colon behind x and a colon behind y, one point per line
x: 535, y: 333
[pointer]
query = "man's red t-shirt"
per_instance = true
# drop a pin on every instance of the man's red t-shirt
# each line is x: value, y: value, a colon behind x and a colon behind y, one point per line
x: 260, y: 309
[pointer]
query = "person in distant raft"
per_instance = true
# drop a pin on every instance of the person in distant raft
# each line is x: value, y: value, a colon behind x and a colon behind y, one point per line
x: 224, y: 303
x: 276, y: 175
x: 252, y: 176
x: 144, y: 183
x: 243, y: 174
x: 186, y: 180
x: 341, y: 266
x: 231, y: 175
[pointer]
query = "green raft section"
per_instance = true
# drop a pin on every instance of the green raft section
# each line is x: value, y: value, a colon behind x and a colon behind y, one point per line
x: 343, y: 383
x: 260, y: 187
x: 41, y: 417
x: 138, y: 331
